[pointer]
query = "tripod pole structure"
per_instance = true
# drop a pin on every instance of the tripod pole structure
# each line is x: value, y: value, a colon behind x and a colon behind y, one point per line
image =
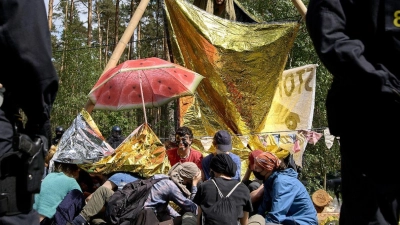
x: 300, y: 7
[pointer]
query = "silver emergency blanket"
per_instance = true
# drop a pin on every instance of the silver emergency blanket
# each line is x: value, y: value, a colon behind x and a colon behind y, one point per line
x: 82, y: 142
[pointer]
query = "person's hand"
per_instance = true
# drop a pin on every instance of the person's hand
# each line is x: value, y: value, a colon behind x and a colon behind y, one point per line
x: 196, y: 178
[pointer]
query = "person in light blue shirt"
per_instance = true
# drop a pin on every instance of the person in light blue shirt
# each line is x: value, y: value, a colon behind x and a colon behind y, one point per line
x: 55, y: 186
x: 223, y: 143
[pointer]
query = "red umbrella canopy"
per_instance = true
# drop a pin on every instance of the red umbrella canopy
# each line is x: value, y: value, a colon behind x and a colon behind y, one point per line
x: 161, y: 81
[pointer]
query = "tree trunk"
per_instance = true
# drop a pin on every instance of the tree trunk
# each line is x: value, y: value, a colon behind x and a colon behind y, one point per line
x: 130, y: 49
x: 116, y: 23
x: 50, y: 14
x: 71, y: 12
x: 138, y: 41
x: 107, y: 31
x: 100, y: 34
x: 62, y: 68
x: 89, y: 31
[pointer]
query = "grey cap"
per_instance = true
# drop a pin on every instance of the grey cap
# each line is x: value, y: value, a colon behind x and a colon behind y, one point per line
x: 223, y: 140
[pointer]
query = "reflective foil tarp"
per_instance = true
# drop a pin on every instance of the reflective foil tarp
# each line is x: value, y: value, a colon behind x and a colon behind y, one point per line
x: 245, y: 79
x: 141, y: 152
x: 82, y: 142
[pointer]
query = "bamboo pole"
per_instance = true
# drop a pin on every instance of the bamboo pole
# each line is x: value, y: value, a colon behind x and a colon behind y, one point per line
x: 300, y: 7
x: 119, y: 49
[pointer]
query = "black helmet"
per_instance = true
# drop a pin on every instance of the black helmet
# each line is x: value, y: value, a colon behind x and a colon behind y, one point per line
x: 59, y: 129
x: 116, y: 129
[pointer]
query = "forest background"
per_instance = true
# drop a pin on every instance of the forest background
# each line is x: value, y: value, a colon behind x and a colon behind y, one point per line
x: 85, y: 33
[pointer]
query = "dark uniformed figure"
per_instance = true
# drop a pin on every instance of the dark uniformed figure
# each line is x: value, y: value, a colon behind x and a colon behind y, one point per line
x: 358, y: 41
x: 116, y: 137
x: 59, y: 132
x: 31, y: 84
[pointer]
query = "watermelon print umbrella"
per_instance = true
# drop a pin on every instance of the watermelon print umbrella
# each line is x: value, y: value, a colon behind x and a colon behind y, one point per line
x: 149, y: 82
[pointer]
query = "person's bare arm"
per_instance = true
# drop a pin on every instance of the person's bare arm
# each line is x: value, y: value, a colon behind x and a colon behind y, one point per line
x: 247, y: 174
x: 257, y: 195
x: 245, y: 219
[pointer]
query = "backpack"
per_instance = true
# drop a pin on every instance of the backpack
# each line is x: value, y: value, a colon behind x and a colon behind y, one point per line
x: 124, y: 206
x: 225, y: 206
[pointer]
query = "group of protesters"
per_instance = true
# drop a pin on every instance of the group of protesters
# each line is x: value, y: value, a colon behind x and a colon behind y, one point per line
x: 191, y: 192
x: 357, y: 41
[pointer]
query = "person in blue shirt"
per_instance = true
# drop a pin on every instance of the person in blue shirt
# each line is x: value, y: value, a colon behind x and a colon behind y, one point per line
x: 223, y: 143
x: 286, y: 200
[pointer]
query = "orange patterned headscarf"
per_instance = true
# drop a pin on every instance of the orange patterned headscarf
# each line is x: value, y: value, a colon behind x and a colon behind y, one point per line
x: 252, y: 156
x: 268, y: 161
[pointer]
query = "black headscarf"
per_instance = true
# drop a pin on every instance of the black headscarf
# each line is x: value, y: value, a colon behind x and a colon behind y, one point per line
x: 223, y: 163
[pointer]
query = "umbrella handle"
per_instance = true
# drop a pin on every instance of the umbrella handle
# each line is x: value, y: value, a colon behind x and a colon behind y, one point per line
x: 141, y: 92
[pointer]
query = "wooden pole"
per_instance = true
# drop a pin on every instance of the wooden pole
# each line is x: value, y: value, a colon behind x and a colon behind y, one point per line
x: 119, y: 49
x: 300, y: 7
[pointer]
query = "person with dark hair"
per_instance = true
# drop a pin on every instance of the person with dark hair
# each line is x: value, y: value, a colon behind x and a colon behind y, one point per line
x: 358, y: 41
x: 286, y: 200
x: 183, y: 152
x: 116, y: 137
x: 59, y: 131
x: 209, y: 194
x: 28, y: 85
x: 223, y: 143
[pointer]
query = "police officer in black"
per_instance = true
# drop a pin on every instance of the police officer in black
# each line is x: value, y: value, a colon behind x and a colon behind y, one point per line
x: 30, y: 81
x: 358, y: 41
x: 59, y: 132
x: 116, y: 138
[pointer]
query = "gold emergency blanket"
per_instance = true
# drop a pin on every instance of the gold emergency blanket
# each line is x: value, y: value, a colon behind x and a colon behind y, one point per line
x: 243, y: 64
x: 141, y: 152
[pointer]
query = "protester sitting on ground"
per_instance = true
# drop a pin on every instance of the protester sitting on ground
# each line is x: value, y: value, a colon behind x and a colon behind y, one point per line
x: 85, y: 181
x: 209, y: 196
x: 91, y: 212
x: 285, y: 200
x: 252, y: 184
x: 183, y: 152
x: 161, y: 193
x: 55, y: 186
x: 256, y: 187
x: 223, y: 144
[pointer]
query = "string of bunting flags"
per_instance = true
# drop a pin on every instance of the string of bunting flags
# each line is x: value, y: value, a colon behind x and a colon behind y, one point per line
x: 293, y: 141
x: 275, y: 138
